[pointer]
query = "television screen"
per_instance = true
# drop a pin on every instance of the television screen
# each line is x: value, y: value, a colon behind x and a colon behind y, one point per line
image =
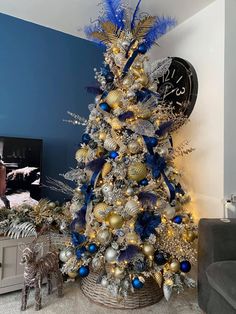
x: 20, y: 171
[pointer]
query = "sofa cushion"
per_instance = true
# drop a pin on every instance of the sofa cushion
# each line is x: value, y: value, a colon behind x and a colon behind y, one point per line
x: 222, y: 277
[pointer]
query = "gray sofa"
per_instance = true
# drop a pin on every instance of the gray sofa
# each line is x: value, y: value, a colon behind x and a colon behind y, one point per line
x: 217, y: 266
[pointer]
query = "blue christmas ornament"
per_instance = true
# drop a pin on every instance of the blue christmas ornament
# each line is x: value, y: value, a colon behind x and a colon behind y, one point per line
x: 177, y: 219
x: 86, y: 138
x: 105, y: 107
x: 92, y: 248
x: 142, y: 49
x: 79, y: 252
x: 143, y: 182
x: 83, y: 271
x: 185, y: 266
x: 136, y: 283
x: 113, y: 155
x: 159, y: 258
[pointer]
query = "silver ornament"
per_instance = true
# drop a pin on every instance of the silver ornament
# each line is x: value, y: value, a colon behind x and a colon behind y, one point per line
x: 169, y: 212
x: 97, y: 264
x: 130, y: 191
x: 130, y: 94
x: 111, y: 255
x: 104, y: 236
x: 132, y: 207
x: 106, y: 189
x: 63, y: 256
x: 125, y: 44
x: 69, y: 253
x: 110, y: 144
x: 104, y: 282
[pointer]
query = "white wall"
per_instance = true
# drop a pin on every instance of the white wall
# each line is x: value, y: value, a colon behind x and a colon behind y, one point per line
x: 200, y: 40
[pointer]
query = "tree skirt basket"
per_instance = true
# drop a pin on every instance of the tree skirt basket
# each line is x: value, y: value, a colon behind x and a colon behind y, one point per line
x: 150, y: 294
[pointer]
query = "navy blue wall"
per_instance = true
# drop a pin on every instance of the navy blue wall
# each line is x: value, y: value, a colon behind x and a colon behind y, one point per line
x: 42, y: 75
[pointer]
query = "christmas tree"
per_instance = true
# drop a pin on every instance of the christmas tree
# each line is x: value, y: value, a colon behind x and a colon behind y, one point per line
x: 130, y: 216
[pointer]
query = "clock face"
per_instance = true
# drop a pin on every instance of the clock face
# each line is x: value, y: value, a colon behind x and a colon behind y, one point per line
x: 178, y: 87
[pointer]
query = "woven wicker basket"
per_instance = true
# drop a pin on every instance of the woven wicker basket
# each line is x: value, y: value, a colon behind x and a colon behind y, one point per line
x: 148, y: 295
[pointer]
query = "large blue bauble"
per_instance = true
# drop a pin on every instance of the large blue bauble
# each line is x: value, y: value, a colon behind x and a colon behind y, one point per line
x: 143, y: 182
x: 86, y: 138
x: 178, y: 219
x: 136, y: 283
x: 113, y: 155
x: 159, y: 258
x: 92, y: 248
x: 79, y: 252
x: 83, y: 271
x: 185, y: 266
x: 104, y: 106
x: 142, y: 49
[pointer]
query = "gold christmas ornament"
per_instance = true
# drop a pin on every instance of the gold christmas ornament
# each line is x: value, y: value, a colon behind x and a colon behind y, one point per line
x: 119, y: 272
x: 110, y: 144
x: 158, y: 277
x: 72, y: 274
x: 132, y: 238
x: 104, y: 236
x: 100, y: 151
x: 169, y: 212
x: 175, y: 266
x: 106, y: 169
x: 81, y: 154
x: 116, y: 50
x: 186, y: 219
x: 148, y: 249
x: 114, y: 98
x: 99, y: 210
x: 189, y: 236
x: 137, y: 171
x: 115, y: 124
x: 115, y: 220
x: 134, y: 147
x: 102, y: 136
x: 132, y: 207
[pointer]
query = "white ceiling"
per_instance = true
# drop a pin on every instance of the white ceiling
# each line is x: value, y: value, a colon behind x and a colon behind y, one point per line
x: 70, y: 16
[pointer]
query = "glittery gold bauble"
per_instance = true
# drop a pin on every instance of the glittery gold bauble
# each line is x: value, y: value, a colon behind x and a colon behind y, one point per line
x: 116, y: 50
x: 106, y: 169
x: 99, y: 210
x: 132, y: 207
x: 100, y: 151
x: 73, y: 274
x: 104, y: 236
x: 175, y: 266
x: 102, y: 136
x: 81, y: 154
x: 115, y: 124
x: 114, y: 98
x: 169, y: 212
x: 143, y: 79
x: 110, y: 144
x: 159, y: 278
x: 189, y: 236
x: 137, y: 171
x: 134, y: 147
x: 119, y: 272
x: 132, y: 238
x: 186, y: 219
x: 148, y: 249
x: 115, y: 220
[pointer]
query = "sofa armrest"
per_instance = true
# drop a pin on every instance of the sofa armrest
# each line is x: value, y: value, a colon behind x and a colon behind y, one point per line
x: 217, y: 242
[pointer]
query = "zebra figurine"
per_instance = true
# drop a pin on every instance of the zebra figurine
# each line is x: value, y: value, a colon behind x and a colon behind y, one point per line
x: 36, y: 270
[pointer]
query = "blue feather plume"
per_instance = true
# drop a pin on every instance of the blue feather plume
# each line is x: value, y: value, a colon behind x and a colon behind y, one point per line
x: 164, y: 127
x: 96, y: 164
x: 95, y: 27
x: 126, y: 115
x: 128, y: 253
x: 135, y: 15
x: 160, y: 27
x: 147, y: 199
x: 114, y: 13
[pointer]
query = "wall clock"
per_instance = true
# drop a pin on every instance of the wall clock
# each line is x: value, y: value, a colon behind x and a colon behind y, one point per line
x: 178, y: 87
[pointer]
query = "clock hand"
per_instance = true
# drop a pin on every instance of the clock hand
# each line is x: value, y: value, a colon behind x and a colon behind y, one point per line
x: 173, y: 90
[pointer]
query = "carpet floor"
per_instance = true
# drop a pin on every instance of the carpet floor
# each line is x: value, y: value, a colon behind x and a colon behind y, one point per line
x: 74, y: 302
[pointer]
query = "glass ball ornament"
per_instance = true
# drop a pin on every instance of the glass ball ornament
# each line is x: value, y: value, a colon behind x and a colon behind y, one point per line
x: 106, y: 189
x: 116, y: 50
x: 132, y: 238
x: 175, y: 266
x: 113, y: 155
x: 132, y: 207
x: 105, y: 107
x: 137, y: 171
x: 114, y: 97
x: 159, y: 259
x: 169, y: 211
x: 104, y: 236
x: 72, y: 274
x: 99, y: 211
x: 63, y: 256
x: 86, y: 138
x: 106, y: 169
x: 129, y: 191
x: 92, y: 248
x: 142, y: 49
x: 185, y: 266
x: 148, y: 249
x: 115, y: 220
x: 104, y: 282
x: 143, y: 182
x: 102, y: 136
x: 111, y: 255
x: 110, y: 144
x: 83, y: 271
x: 81, y: 154
x: 134, y: 147
x: 178, y: 219
x: 137, y: 283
